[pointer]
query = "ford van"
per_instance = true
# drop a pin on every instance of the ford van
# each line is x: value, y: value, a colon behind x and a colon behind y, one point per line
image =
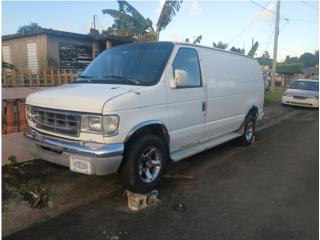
x: 138, y: 106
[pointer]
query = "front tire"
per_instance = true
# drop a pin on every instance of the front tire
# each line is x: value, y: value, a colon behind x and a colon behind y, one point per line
x: 144, y: 165
x: 249, y: 131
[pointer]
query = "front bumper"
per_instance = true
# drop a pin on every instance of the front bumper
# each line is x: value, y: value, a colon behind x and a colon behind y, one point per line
x: 308, y: 102
x: 104, y: 158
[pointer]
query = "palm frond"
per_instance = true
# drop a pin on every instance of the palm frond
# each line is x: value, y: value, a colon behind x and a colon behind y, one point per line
x: 128, y: 8
x: 253, y: 50
x: 168, y: 11
x: 118, y: 15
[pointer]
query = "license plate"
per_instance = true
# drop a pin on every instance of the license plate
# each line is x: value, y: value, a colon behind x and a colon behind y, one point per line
x: 80, y: 165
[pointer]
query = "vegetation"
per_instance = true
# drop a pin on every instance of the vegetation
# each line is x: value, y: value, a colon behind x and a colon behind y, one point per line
x: 13, y: 161
x: 288, y: 69
x: 32, y: 27
x: 237, y: 50
x: 220, y: 45
x: 129, y: 22
x: 253, y: 49
x: 7, y: 65
x: 291, y: 64
x: 270, y: 98
x: 197, y: 40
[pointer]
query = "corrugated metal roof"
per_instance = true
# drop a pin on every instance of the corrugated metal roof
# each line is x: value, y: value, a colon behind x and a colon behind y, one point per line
x: 45, y: 31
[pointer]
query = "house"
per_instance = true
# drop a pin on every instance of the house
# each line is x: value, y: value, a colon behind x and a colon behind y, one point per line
x: 311, y: 72
x: 57, y: 50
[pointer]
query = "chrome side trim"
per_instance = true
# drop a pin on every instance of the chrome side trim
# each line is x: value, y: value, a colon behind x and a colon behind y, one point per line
x: 97, y: 150
x: 144, y: 124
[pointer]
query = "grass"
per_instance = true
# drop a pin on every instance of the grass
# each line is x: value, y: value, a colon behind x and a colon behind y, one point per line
x: 270, y: 98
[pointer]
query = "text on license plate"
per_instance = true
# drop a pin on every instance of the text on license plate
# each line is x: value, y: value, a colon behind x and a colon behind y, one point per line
x: 80, y: 165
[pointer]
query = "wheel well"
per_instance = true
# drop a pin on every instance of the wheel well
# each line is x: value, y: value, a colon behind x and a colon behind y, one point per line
x: 254, y: 111
x: 155, y: 129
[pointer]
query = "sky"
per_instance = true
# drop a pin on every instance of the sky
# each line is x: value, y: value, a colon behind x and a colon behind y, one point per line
x: 234, y: 22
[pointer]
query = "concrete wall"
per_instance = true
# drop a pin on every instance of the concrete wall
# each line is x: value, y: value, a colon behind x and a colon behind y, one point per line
x: 53, y: 48
x: 13, y: 145
x: 18, y: 51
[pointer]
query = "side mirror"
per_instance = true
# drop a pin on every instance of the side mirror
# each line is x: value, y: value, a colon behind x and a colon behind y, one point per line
x: 180, y: 78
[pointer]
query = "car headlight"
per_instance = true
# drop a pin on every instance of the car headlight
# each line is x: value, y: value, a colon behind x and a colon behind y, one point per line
x: 314, y: 97
x: 91, y: 124
x: 29, y: 113
x: 286, y: 94
x: 108, y: 125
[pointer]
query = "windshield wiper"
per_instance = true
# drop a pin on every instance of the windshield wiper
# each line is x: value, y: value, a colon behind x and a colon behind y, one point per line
x: 83, y: 78
x: 129, y: 79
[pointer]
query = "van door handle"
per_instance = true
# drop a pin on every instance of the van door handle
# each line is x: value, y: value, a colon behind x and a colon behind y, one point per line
x: 204, y: 106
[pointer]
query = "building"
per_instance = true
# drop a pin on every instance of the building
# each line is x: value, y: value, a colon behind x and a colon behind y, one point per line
x: 52, y: 49
x: 311, y: 72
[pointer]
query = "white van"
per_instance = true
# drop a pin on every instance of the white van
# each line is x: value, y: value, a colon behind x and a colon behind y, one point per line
x: 138, y: 106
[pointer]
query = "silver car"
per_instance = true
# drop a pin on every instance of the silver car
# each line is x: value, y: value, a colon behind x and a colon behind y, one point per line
x: 302, y: 92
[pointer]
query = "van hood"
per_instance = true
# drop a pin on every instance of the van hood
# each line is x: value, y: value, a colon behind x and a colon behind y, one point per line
x: 302, y: 93
x: 83, y: 97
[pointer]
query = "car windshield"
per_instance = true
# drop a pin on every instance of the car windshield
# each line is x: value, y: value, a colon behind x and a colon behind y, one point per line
x: 133, y: 64
x: 305, y: 85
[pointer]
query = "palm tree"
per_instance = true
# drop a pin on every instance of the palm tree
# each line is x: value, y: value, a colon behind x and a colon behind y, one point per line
x: 253, y: 50
x: 168, y: 11
x: 129, y: 22
x: 220, y: 45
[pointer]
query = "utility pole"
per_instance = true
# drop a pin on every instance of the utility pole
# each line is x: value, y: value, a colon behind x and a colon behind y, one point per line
x: 94, y: 22
x: 275, y: 47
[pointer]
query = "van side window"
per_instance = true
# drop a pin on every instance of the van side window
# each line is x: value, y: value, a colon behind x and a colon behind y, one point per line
x: 187, y: 60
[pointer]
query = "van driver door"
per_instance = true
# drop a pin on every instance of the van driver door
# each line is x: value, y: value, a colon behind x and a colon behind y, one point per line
x: 186, y: 101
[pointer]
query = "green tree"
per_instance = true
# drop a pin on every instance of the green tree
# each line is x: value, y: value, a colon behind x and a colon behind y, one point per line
x: 291, y: 60
x: 253, y: 50
x: 266, y: 55
x: 220, y: 45
x: 308, y: 59
x: 129, y: 22
x: 197, y: 40
x: 265, y: 59
x: 168, y: 11
x: 32, y: 27
x: 237, y: 50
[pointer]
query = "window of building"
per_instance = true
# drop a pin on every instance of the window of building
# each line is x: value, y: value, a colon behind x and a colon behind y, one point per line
x: 32, y: 57
x: 6, y: 54
x: 74, y: 57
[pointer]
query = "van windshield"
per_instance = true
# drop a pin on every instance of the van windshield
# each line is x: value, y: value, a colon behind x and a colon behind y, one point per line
x: 133, y: 64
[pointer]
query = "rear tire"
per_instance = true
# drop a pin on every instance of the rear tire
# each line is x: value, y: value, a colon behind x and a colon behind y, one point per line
x: 144, y: 164
x: 249, y: 130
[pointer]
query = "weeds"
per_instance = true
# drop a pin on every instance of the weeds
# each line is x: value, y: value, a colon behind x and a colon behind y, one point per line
x: 36, y: 193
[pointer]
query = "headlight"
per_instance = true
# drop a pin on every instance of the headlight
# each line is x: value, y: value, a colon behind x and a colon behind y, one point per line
x: 29, y: 113
x: 314, y: 97
x: 285, y: 94
x: 110, y: 125
x: 91, y: 124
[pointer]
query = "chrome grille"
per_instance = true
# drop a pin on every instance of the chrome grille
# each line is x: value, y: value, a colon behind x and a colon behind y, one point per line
x: 62, y: 122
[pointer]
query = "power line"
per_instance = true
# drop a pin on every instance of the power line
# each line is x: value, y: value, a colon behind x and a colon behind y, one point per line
x: 265, y: 8
x: 282, y: 17
x: 310, y: 5
x: 246, y: 28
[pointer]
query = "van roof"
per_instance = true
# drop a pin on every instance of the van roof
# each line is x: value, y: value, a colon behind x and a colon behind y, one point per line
x: 191, y: 45
x: 217, y: 49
